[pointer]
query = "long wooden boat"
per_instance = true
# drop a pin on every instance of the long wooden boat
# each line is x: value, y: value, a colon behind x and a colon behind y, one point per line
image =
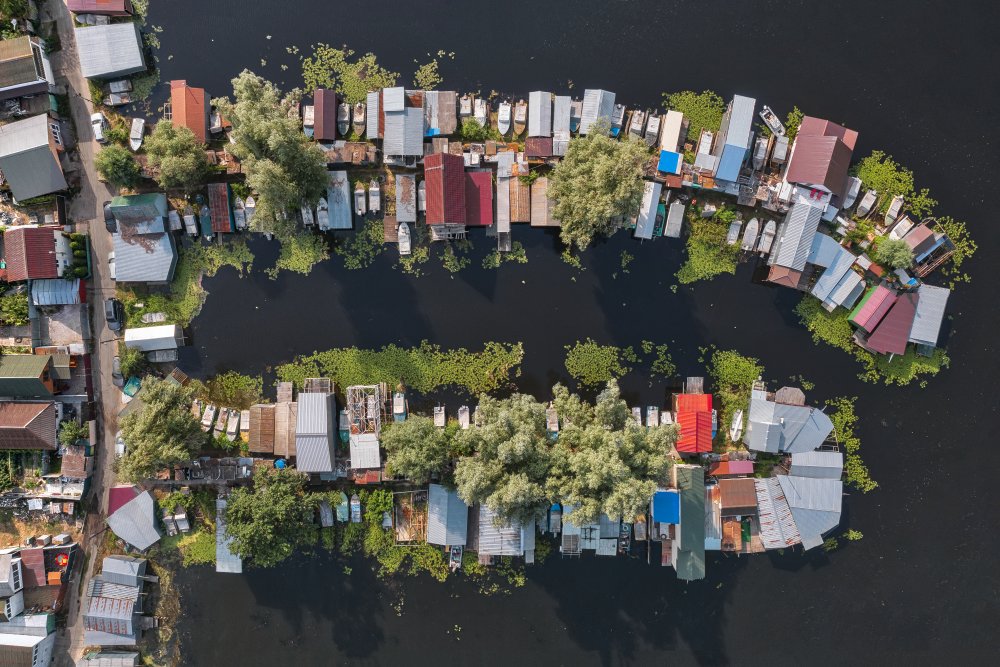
x: 440, y: 418
x: 463, y: 416
x: 767, y: 238
x: 220, y: 423
x: 465, y: 106
x: 895, y: 208
x: 358, y: 121
x: 481, y: 112
x: 853, y: 188
x: 343, y: 119
x: 322, y: 214
x: 638, y: 122
x: 520, y: 117
x: 196, y: 408
x: 135, y: 136
x: 245, y: 425
x: 374, y: 197
x: 867, y: 203
x: 750, y: 235
x: 359, y: 200
x: 503, y: 117
x: 403, y: 235
x: 240, y: 213
x: 652, y: 134
x: 637, y: 415
x: 760, y: 153
x: 307, y: 215
x: 251, y: 208
x: 575, y: 115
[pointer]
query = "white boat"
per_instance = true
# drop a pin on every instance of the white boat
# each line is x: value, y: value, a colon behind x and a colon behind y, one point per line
x: 190, y: 222
x: 358, y: 121
x: 652, y: 415
x: 135, y: 136
x: 307, y: 215
x: 867, y: 203
x: 374, y: 197
x: 734, y: 232
x: 901, y: 228
x: 240, y: 213
x: 759, y: 153
x: 220, y: 423
x: 652, y: 135
x: 215, y: 122
x: 638, y: 121
x: 343, y: 119
x: 463, y: 416
x: 403, y: 234
x: 440, y: 418
x: 322, y: 214
x: 767, y: 238
x: 422, y: 196
x: 245, y: 425
x: 359, y: 200
x: 233, y: 425
x: 308, y: 119
x: 207, y: 417
x: 575, y: 115
x: 617, y: 119
x: 750, y: 235
x: 772, y: 121
x: 637, y: 416
x: 853, y: 188
x: 503, y: 117
x: 251, y: 208
x: 895, y: 208
x: 736, y: 428
x: 465, y: 106
x: 520, y: 117
x: 480, y: 111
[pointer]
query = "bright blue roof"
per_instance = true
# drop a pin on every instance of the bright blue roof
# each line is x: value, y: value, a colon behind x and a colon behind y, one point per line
x: 667, y: 506
x: 670, y: 162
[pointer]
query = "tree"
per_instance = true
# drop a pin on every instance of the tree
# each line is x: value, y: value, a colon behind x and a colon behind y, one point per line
x: 14, y: 308
x: 269, y: 522
x: 703, y: 110
x: 132, y: 361
x: 117, y: 166
x: 894, y: 253
x: 416, y: 449
x: 598, y: 181
x: 792, y: 122
x: 176, y: 156
x: 604, y: 462
x: 507, y: 457
x: 162, y: 433
x: 13, y: 9
x: 70, y: 432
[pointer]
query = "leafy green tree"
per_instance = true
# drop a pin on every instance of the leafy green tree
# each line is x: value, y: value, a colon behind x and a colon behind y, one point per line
x: 133, y: 362
x: 117, y: 166
x: 14, y: 308
x: 703, y: 110
x: 603, y: 462
x: 70, y: 432
x: 792, y: 122
x: 334, y: 68
x: 13, y: 9
x: 508, y: 457
x: 176, y: 157
x: 894, y: 253
x: 416, y: 449
x: 269, y: 522
x: 160, y: 434
x: 597, y: 183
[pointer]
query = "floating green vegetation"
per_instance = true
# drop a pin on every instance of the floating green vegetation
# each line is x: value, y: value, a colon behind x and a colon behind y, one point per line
x: 422, y: 368
x: 880, y: 172
x: 495, y: 259
x: 359, y: 250
x: 427, y: 76
x: 965, y: 248
x: 732, y: 376
x: 230, y: 389
x: 626, y: 259
x: 352, y: 77
x: 592, y: 364
x: 844, y: 420
x: 452, y: 261
x: 703, y: 110
x: 708, y: 254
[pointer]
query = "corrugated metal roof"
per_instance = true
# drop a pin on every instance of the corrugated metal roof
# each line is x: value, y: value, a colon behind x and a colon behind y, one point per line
x: 365, y: 451
x: 538, y: 147
x: 135, y: 522
x: 445, y: 179
x: 502, y: 541
x: 689, y: 549
x: 675, y: 220
x: 824, y: 250
x: 158, y: 337
x: 124, y: 570
x: 338, y: 199
x: 540, y: 114
x: 670, y: 137
x: 930, y: 314
x: 893, y: 332
x: 190, y: 108
x: 560, y: 124
x: 738, y: 493
x: 795, y: 235
x: 815, y: 504
x: 314, y: 433
x: 777, y: 427
x: 733, y: 141
x: 503, y: 204
x: 218, y: 203
x: 406, y: 198
x: 447, y: 517
x: 647, y: 210
x: 479, y: 198
x: 30, y: 426
x: 110, y: 50
x: 19, y: 66
x: 597, y: 104
x: 847, y: 291
x: 29, y: 164
x: 824, y: 465
x: 393, y: 99
x: 873, y: 308
x: 831, y: 277
x: 819, y: 161
x: 30, y: 253
x: 144, y: 258
x: 55, y: 292
x: 109, y: 659
x: 439, y: 111
x: 777, y: 526
x: 520, y: 201
x: 324, y: 114
x: 109, y: 7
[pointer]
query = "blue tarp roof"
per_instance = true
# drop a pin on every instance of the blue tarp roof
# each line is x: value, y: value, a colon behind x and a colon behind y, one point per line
x: 667, y: 506
x: 670, y: 162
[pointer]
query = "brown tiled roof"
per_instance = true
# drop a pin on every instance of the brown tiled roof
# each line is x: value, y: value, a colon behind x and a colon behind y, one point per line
x: 75, y: 463
x: 33, y: 564
x: 27, y: 426
x: 190, y: 108
x: 780, y: 275
x: 30, y: 253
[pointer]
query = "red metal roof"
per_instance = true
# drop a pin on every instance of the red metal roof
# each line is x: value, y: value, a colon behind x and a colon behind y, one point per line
x: 190, y: 108
x: 33, y: 565
x: 445, y: 175
x: 694, y: 402
x: 694, y: 415
x: 218, y: 203
x: 324, y: 115
x: 920, y: 239
x: 826, y: 128
x: 875, y: 308
x: 479, y: 198
x: 893, y: 332
x: 106, y: 7
x: 538, y: 147
x: 822, y: 154
x: 119, y: 495
x: 30, y: 253
x: 723, y: 468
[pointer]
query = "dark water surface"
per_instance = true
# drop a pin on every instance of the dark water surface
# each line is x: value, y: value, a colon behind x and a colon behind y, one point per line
x: 912, y: 77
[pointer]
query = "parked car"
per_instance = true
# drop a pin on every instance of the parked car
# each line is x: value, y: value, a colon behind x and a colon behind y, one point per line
x: 109, y: 219
x: 98, y: 123
x: 111, y: 264
x: 119, y: 444
x: 114, y: 313
x: 116, y: 372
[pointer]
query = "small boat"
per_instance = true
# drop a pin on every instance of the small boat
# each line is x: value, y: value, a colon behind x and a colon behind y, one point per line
x: 575, y: 115
x: 772, y: 121
x: 422, y: 196
x: 374, y: 197
x: 215, y: 122
x: 403, y: 234
x: 190, y: 223
x: 652, y: 135
x: 503, y: 117
x: 750, y: 235
x: 638, y: 122
x: 520, y: 117
x: 767, y: 238
x: 358, y: 122
x: 440, y: 419
x: 308, y: 120
x: 617, y: 119
x: 463, y: 416
x: 760, y: 153
x: 736, y: 428
x: 343, y: 119
x: 867, y: 203
x: 220, y: 423
x: 233, y: 425
x: 895, y: 207
x: 734, y: 232
x: 455, y: 558
x: 205, y: 219
x: 359, y: 200
x: 240, y: 213
x: 196, y: 409
x: 135, y: 136
x: 307, y: 215
x: 901, y: 228
x: 637, y: 415
x: 652, y: 415
x: 355, y: 509
x: 343, y: 508
x: 481, y: 112
x: 715, y: 423
x: 245, y: 425
x: 207, y: 418
x: 465, y: 106
x: 666, y: 419
x: 853, y: 188
x: 399, y: 406
x: 251, y: 208
x: 322, y: 214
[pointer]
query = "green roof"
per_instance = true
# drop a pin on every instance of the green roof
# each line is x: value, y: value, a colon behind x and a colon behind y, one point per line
x: 861, y: 304
x: 19, y: 375
x: 691, y: 552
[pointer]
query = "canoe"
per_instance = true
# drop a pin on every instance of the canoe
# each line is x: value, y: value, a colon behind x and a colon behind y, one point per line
x: 135, y: 136
x: 503, y: 117
x: 322, y: 214
x: 867, y: 203
x: 895, y: 208
x: 575, y: 115
x: 652, y: 134
x: 520, y: 117
x: 638, y: 122
x: 359, y: 119
x: 374, y: 197
x: 767, y: 238
x: 404, y: 240
x: 343, y: 119
x: 734, y: 232
x: 307, y: 215
x: 359, y: 200
x: 240, y: 213
x: 736, y: 428
x: 481, y: 112
x: 772, y: 121
x: 750, y: 235
x: 465, y: 106
x: 853, y: 188
x: 617, y: 119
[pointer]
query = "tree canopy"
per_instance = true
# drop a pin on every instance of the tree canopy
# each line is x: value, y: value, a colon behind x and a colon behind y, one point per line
x: 269, y: 522
x: 160, y: 434
x: 893, y: 253
x: 117, y: 166
x: 176, y: 157
x: 597, y: 182
x: 416, y: 449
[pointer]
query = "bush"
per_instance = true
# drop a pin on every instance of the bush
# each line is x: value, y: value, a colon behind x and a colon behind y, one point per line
x: 81, y: 272
x: 14, y: 309
x: 117, y: 166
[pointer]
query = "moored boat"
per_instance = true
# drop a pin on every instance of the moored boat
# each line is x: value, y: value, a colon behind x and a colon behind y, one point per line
x: 503, y: 117
x: 637, y: 416
x: 208, y: 417
x: 403, y: 235
x: 359, y: 200
x: 251, y: 208
x: 736, y: 428
x: 440, y: 418
x: 233, y: 425
x: 867, y: 203
x: 135, y: 136
x: 760, y: 153
x: 220, y: 423
x: 575, y: 115
x: 245, y: 425
x: 308, y: 120
x: 343, y: 119
x: 715, y: 423
x: 240, y: 213
x: 358, y: 121
x: 853, y: 188
x: 772, y: 121
x: 617, y: 119
x: 422, y: 196
x: 355, y: 509
x: 481, y: 112
x: 196, y: 409
x: 734, y: 232
x: 455, y: 558
x: 205, y: 221
x: 463, y: 416
x: 343, y: 508
x: 652, y: 415
x: 767, y: 238
x: 190, y: 222
x: 750, y: 235
x: 307, y: 215
x: 374, y: 197
x: 322, y: 214
x: 638, y: 122
x: 652, y: 135
x: 895, y: 208
x: 465, y: 106
x: 520, y: 117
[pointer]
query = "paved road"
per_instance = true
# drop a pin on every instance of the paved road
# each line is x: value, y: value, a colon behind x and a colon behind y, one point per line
x: 87, y: 207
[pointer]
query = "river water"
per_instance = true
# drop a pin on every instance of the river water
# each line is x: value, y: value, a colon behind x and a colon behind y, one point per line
x: 912, y: 77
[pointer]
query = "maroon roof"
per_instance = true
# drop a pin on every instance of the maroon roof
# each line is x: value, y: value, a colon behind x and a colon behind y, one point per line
x: 445, y: 176
x: 218, y: 202
x: 106, y: 7
x: 33, y: 565
x: 324, y: 115
x: 826, y: 128
x: 479, y: 198
x: 30, y: 253
x: 120, y: 495
x: 538, y: 147
x: 27, y: 426
x: 871, y: 312
x: 920, y: 239
x: 822, y: 155
x: 893, y: 332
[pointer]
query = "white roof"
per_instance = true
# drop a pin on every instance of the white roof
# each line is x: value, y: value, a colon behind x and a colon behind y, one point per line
x: 539, y: 114
x: 597, y: 104
x: 647, y: 210
x: 314, y: 433
x: 447, y: 517
x: 824, y: 465
x: 393, y: 99
x: 149, y: 339
x: 371, y: 128
x: 670, y: 137
x: 675, y: 220
x: 110, y: 50
x: 930, y: 313
x: 364, y: 451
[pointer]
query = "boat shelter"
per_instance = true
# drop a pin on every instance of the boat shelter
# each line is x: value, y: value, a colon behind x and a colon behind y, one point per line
x: 373, y: 126
x: 314, y: 433
x: 152, y: 339
x: 688, y: 553
x: 511, y: 539
x: 671, y: 135
x: 439, y: 112
x: 597, y: 105
x: 447, y: 517
x: 561, y: 111
x: 732, y: 144
x: 338, y: 198
x: 324, y: 114
x: 646, y: 221
x: 110, y: 51
x: 225, y: 560
x: 540, y: 114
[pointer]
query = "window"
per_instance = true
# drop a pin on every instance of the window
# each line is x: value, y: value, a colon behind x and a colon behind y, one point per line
x: 6, y: 609
x: 16, y: 571
x: 56, y: 133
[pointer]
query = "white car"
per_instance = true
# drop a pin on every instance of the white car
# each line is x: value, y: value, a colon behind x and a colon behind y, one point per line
x: 98, y: 123
x: 119, y: 444
x: 111, y: 264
